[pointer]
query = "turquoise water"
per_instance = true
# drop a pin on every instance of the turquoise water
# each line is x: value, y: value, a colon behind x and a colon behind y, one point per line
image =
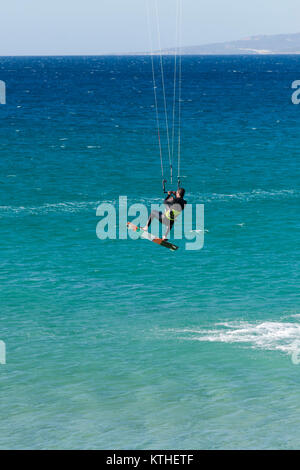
x: 121, y: 343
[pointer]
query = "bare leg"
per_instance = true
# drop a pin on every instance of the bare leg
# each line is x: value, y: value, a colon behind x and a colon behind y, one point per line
x: 169, y: 227
x: 153, y: 215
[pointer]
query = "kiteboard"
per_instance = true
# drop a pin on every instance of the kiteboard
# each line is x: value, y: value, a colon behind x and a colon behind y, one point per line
x: 148, y: 236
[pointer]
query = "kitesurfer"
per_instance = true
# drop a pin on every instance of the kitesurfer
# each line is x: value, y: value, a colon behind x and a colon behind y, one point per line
x: 175, y: 204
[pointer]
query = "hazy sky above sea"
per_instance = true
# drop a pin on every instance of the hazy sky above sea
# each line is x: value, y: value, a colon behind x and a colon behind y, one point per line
x: 60, y: 27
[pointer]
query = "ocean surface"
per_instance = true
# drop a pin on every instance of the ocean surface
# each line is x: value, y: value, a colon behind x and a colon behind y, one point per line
x: 122, y: 344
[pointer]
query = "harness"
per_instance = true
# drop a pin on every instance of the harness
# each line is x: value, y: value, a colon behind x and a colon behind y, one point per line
x: 172, y: 214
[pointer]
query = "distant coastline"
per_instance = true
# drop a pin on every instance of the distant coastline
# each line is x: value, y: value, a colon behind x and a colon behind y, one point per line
x: 278, y: 44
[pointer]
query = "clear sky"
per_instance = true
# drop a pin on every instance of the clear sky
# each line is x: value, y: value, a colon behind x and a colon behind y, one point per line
x: 59, y: 27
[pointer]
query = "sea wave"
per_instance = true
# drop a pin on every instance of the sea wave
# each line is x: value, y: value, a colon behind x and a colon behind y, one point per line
x: 59, y: 207
x: 83, y: 206
x: 268, y: 335
x: 257, y: 194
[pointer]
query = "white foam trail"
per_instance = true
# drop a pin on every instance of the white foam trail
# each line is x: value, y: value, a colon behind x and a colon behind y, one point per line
x: 268, y: 335
x: 257, y: 194
x: 75, y: 206
x: 65, y: 206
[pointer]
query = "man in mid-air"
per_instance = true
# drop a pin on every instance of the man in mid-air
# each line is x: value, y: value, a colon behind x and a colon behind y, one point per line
x: 175, y: 204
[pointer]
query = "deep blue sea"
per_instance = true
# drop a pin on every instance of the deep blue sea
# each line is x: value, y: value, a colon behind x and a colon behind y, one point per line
x: 122, y: 344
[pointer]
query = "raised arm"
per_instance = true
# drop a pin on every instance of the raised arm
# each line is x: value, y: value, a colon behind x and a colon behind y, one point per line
x: 170, y: 196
